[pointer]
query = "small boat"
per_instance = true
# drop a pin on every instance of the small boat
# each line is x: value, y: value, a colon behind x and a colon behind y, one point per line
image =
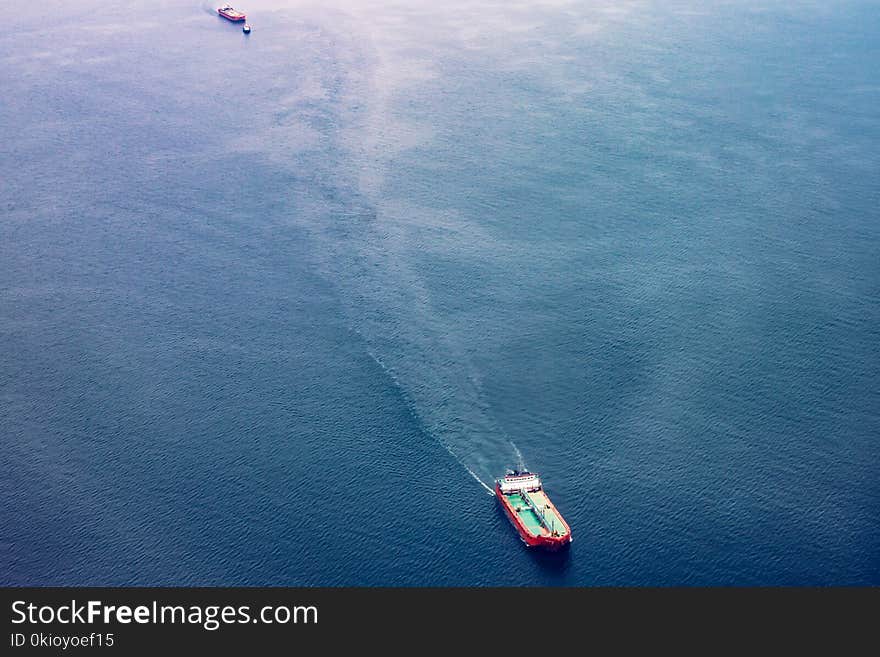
x: 227, y: 12
x: 246, y: 29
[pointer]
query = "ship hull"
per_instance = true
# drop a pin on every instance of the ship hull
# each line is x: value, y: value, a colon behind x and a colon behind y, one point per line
x: 235, y: 18
x: 552, y: 543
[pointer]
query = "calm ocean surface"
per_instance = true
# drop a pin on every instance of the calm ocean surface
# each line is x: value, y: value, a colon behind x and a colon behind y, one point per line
x: 272, y: 307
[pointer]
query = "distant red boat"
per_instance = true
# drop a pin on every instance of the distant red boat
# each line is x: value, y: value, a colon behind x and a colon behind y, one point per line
x: 227, y: 12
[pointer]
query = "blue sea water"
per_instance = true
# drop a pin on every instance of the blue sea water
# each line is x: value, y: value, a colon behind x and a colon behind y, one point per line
x: 274, y: 308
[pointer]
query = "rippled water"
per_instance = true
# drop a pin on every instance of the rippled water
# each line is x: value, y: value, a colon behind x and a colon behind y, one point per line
x: 273, y: 307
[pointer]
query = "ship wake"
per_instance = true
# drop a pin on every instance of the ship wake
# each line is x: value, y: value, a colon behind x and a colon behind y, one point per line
x: 370, y: 242
x: 477, y: 455
x: 425, y: 355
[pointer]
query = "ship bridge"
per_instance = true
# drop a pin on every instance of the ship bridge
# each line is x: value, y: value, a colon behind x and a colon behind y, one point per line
x: 521, y: 482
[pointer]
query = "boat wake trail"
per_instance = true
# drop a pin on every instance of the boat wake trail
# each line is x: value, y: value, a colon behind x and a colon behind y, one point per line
x: 389, y: 306
x: 420, y: 354
x: 370, y: 243
x: 443, y: 439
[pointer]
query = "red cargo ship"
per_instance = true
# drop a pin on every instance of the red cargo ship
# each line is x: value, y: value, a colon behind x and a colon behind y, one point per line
x: 227, y: 12
x: 529, y: 509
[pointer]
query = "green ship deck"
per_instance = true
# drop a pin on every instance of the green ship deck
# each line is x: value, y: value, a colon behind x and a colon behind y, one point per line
x: 535, y: 524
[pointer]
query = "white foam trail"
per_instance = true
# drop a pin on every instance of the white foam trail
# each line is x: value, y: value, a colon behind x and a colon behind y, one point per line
x: 473, y: 474
x: 371, y: 243
x: 519, y: 457
x: 396, y: 381
x: 389, y: 305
